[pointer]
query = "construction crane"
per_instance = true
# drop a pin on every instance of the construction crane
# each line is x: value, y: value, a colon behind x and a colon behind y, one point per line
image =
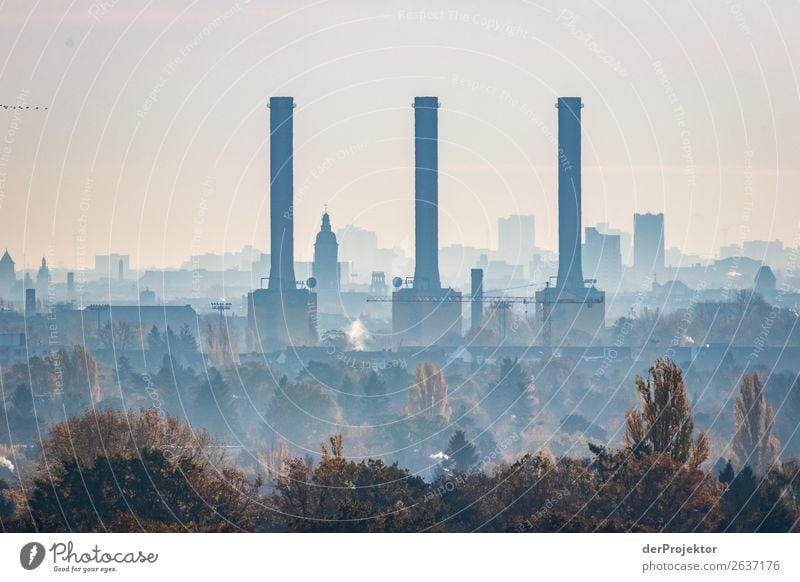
x: 501, y: 303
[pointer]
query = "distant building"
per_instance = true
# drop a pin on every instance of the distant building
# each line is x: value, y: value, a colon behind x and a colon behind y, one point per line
x: 602, y: 259
x: 516, y: 238
x: 12, y: 347
x: 378, y: 285
x: 359, y: 246
x: 108, y: 266
x: 145, y: 316
x: 765, y: 283
x: 8, y: 275
x: 728, y: 251
x: 147, y: 297
x: 625, y: 246
x: 43, y: 282
x: 769, y: 252
x: 70, y: 286
x: 648, y: 244
x: 325, y: 268
x: 30, y: 302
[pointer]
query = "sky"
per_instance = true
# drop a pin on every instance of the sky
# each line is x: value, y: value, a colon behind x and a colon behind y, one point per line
x: 154, y: 142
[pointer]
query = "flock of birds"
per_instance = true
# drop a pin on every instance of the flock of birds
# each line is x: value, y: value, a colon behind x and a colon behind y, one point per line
x: 22, y: 107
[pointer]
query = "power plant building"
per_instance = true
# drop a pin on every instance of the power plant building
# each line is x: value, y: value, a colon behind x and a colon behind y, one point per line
x: 283, y: 314
x: 426, y: 313
x: 570, y: 312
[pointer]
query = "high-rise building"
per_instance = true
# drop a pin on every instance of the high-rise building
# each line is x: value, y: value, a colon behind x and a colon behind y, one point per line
x: 108, y: 266
x: 326, y: 258
x: 648, y: 245
x: 43, y: 282
x: 625, y: 246
x: 602, y: 259
x: 516, y: 238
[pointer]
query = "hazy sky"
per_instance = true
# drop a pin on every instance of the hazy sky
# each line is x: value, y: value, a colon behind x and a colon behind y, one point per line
x: 155, y: 140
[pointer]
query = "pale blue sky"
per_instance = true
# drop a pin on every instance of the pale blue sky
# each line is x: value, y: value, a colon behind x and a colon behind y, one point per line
x: 155, y: 140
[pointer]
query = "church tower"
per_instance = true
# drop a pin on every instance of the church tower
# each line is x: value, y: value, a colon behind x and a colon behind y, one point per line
x: 325, y: 268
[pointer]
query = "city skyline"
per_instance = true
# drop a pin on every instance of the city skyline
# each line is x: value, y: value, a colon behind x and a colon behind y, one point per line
x: 176, y: 142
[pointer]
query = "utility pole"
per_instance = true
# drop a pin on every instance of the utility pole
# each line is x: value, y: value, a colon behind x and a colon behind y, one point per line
x: 98, y: 308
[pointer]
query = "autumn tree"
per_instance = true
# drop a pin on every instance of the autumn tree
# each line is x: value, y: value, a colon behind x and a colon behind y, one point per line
x: 6, y: 505
x: 428, y: 396
x: 753, y: 443
x: 340, y: 495
x: 664, y: 424
x: 153, y: 491
x: 108, y: 432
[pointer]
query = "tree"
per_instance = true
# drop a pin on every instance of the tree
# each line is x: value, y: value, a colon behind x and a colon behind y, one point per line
x: 155, y: 343
x: 22, y: 417
x: 374, y: 402
x: 337, y: 495
x: 511, y: 394
x: 150, y: 492
x: 6, y: 505
x: 462, y: 454
x: 428, y: 395
x: 335, y: 340
x: 187, y: 342
x: 300, y: 411
x: 664, y: 425
x: 753, y: 443
x: 118, y: 335
x: 752, y: 505
x: 783, y: 392
x: 215, y: 407
x: 109, y: 432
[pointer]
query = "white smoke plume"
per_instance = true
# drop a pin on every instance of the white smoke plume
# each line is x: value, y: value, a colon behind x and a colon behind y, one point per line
x: 357, y: 335
x: 4, y: 462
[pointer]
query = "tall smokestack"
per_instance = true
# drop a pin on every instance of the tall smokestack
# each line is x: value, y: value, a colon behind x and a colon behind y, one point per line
x: 281, y: 201
x: 476, y: 291
x: 426, y: 193
x: 570, y: 270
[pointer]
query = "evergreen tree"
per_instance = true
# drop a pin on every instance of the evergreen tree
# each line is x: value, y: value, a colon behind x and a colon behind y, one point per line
x: 155, y: 342
x: 462, y: 454
x: 215, y: 406
x: 374, y: 389
x: 510, y: 397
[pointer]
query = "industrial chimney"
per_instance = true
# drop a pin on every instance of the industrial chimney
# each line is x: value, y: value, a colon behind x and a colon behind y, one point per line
x: 476, y: 293
x: 281, y: 202
x: 426, y: 193
x: 570, y: 269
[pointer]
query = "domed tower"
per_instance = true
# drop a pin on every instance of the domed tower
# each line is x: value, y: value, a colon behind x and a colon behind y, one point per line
x: 8, y: 275
x: 43, y: 281
x: 325, y: 268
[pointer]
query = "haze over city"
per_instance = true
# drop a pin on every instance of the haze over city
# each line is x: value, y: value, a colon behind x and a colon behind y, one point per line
x: 332, y: 267
x: 156, y: 121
